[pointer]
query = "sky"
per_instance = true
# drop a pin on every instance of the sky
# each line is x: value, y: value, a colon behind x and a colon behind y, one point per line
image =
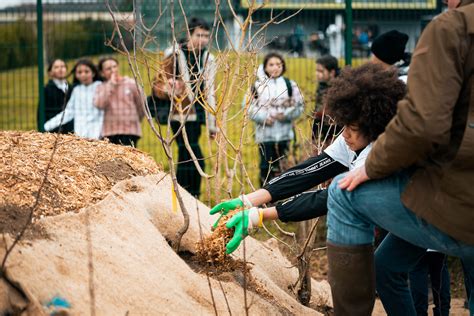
x: 8, y: 3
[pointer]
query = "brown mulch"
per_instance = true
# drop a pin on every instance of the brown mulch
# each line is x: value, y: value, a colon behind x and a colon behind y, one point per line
x: 82, y: 173
x: 211, y: 249
x: 211, y: 257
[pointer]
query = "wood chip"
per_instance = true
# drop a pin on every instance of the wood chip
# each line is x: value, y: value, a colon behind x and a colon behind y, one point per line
x: 82, y: 172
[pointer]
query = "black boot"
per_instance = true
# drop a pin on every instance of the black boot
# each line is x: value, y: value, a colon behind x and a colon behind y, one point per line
x: 352, y: 279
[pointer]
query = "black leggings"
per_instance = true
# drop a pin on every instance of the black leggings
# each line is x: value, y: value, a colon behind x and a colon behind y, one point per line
x: 126, y: 140
x: 187, y: 174
x: 271, y: 154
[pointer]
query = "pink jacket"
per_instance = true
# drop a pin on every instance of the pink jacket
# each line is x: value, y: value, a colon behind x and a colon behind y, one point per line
x: 122, y: 105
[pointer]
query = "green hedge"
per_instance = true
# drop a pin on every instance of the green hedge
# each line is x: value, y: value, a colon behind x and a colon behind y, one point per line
x: 66, y: 40
x: 18, y: 45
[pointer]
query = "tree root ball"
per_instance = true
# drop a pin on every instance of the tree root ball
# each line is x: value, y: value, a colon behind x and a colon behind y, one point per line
x: 212, y: 248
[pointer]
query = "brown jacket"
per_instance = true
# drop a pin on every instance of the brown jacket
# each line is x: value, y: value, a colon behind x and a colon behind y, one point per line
x: 185, y: 98
x: 433, y: 129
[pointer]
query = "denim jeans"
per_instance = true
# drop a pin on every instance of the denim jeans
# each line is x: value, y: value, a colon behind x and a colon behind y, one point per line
x: 187, y: 174
x: 353, y: 215
x: 393, y: 259
x: 433, y: 264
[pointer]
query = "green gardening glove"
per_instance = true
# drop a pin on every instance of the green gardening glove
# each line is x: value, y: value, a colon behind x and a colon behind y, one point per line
x: 224, y: 207
x: 243, y: 222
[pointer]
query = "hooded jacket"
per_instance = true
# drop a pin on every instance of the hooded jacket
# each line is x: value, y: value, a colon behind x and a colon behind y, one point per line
x: 268, y: 99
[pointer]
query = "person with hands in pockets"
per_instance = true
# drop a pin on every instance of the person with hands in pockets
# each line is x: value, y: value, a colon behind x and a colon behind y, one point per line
x: 363, y: 100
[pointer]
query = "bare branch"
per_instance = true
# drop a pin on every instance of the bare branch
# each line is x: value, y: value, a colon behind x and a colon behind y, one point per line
x: 207, y: 272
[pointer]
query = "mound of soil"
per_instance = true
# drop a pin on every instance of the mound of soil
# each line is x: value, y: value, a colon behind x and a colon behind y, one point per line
x: 79, y: 173
x: 114, y: 257
x: 108, y: 223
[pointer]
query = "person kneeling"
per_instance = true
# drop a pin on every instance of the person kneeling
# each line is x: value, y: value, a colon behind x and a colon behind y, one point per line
x: 363, y: 100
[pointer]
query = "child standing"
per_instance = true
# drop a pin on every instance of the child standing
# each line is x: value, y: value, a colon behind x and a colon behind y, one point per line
x: 87, y: 119
x: 56, y: 95
x: 275, y: 102
x: 122, y: 102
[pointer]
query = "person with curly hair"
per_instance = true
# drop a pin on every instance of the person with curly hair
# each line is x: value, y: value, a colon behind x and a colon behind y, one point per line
x: 416, y: 182
x: 362, y: 99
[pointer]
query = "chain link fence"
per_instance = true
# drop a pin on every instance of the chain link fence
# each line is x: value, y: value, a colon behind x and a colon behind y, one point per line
x: 74, y: 29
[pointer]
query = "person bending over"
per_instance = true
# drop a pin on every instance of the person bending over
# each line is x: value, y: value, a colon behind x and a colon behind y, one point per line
x: 363, y: 100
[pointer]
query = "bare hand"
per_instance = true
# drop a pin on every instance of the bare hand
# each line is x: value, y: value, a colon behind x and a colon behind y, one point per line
x: 114, y: 78
x: 175, y: 86
x: 353, y: 179
x: 279, y: 117
x: 269, y: 121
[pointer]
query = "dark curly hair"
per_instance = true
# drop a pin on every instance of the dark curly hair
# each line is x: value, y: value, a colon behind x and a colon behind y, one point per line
x: 365, y: 96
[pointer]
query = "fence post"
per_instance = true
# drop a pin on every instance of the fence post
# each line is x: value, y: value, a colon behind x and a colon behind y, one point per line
x: 348, y: 33
x: 40, y: 57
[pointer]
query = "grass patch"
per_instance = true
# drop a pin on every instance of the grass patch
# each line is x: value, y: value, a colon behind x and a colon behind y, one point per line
x: 19, y: 101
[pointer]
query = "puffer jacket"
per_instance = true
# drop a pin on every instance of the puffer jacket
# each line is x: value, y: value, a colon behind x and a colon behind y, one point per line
x: 268, y: 98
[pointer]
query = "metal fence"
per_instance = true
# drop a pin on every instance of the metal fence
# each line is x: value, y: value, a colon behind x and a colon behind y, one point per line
x: 72, y: 29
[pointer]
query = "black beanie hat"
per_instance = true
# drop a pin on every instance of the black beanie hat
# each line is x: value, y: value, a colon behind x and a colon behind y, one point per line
x: 390, y: 47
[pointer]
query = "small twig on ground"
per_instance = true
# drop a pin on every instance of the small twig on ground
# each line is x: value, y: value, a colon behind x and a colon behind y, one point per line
x: 319, y: 249
x: 225, y: 297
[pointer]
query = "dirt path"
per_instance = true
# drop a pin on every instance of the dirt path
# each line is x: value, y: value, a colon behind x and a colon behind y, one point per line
x: 457, y: 308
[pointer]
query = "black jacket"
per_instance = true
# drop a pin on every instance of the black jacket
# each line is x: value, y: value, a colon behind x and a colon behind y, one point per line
x: 54, y: 102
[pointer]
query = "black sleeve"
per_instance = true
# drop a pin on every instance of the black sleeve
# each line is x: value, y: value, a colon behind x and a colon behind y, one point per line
x: 304, y: 206
x: 304, y: 176
x: 46, y: 109
x: 68, y: 94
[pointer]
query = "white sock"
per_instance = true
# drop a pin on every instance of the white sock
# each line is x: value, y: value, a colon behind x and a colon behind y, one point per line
x: 254, y: 217
x: 246, y: 201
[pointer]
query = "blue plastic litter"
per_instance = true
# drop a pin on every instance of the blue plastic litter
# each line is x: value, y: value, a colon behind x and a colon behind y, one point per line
x: 58, y: 302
